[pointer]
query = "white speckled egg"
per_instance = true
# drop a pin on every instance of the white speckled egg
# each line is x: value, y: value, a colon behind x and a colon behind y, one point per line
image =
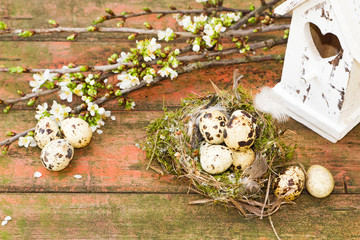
x: 215, y: 159
x: 319, y: 181
x: 76, y: 131
x: 57, y: 154
x: 243, y: 159
x: 211, y: 125
x: 46, y: 130
x: 239, y: 131
x: 290, y: 183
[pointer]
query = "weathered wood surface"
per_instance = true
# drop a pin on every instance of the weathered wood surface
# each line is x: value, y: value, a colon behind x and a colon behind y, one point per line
x: 117, y: 198
x: 168, y: 216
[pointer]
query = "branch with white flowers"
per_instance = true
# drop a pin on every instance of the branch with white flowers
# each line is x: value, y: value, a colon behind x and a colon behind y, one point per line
x: 186, y: 69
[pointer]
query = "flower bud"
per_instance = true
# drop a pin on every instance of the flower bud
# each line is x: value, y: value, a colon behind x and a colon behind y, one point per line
x: 109, y: 87
x: 172, y: 7
x: 143, y: 65
x: 99, y: 20
x: 5, y: 149
x: 31, y: 102
x: 3, y: 26
x: 26, y: 33
x: 21, y: 93
x: 30, y: 133
x: 7, y: 108
x: 217, y: 58
x: 132, y: 36
x: 120, y: 24
x: 53, y: 23
x: 121, y: 101
x: 109, y: 11
x: 10, y: 134
x: 118, y: 93
x: 146, y: 9
x: 84, y: 68
x: 147, y: 25
x: 92, y: 29
x: 160, y: 15
x: 72, y: 37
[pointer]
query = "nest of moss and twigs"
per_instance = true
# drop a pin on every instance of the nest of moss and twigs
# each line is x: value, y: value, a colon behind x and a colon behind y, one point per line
x: 174, y: 139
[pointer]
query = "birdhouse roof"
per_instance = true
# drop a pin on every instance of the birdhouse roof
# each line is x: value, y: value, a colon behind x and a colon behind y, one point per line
x: 347, y: 15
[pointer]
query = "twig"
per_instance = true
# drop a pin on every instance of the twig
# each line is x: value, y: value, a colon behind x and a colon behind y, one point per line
x: 153, y: 153
x: 16, y: 137
x: 31, y: 95
x: 266, y: 196
x: 273, y: 228
x: 258, y: 10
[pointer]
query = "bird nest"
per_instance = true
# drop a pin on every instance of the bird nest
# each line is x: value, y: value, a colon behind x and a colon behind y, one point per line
x: 174, y: 139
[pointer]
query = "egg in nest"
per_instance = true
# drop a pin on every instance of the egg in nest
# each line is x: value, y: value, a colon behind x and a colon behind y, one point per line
x: 215, y: 159
x: 319, y: 181
x: 211, y: 126
x: 240, y: 131
x: 290, y: 183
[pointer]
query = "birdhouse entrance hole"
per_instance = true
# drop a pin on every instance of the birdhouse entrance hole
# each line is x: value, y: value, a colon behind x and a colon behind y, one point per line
x: 328, y: 45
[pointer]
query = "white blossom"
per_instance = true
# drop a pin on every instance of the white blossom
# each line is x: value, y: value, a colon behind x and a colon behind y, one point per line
x: 196, y: 47
x: 66, y: 94
x: 166, y: 35
x: 219, y: 28
x: 99, y: 131
x: 123, y: 56
x: 167, y: 71
x: 59, y: 112
x: 148, y: 78
x: 40, y: 79
x: 201, y: 1
x: 207, y: 40
x: 177, y: 51
x: 41, y: 109
x: 201, y: 18
x: 208, y: 30
x: 90, y: 76
x: 7, y: 218
x: 185, y: 21
x: 27, y: 141
x: 92, y: 82
x: 66, y: 79
x: 77, y: 176
x: 92, y: 108
x: 78, y: 90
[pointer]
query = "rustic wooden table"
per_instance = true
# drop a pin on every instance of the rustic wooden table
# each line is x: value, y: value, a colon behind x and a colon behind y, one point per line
x: 116, y: 198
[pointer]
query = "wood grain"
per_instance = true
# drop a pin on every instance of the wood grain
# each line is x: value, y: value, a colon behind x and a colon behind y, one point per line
x: 168, y: 216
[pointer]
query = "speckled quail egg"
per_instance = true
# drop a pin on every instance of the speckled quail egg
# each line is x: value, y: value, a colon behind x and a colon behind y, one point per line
x: 242, y: 159
x: 290, y: 183
x: 211, y: 125
x: 215, y: 159
x: 76, y: 131
x: 319, y: 181
x: 57, y: 154
x: 46, y: 130
x: 239, y: 131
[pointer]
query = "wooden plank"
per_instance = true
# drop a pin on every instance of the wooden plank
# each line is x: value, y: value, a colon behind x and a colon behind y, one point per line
x: 112, y: 162
x: 168, y: 216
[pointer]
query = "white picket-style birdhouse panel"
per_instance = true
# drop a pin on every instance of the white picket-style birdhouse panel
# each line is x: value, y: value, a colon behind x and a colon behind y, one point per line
x: 321, y: 76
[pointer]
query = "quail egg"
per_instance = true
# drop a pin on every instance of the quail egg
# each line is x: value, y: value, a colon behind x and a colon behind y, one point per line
x: 239, y: 131
x: 290, y: 183
x: 76, y: 131
x: 319, y: 181
x: 57, y: 154
x: 242, y: 159
x: 46, y: 130
x: 211, y: 125
x: 215, y: 159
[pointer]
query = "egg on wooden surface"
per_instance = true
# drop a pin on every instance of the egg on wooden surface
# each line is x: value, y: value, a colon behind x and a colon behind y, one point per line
x: 319, y: 181
x: 240, y: 131
x: 215, y: 159
x: 57, y: 154
x: 290, y: 183
x: 243, y: 159
x: 46, y: 130
x: 211, y: 126
x: 76, y: 131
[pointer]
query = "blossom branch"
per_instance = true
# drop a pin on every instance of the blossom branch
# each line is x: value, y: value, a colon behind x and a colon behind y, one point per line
x: 29, y: 96
x: 186, y: 69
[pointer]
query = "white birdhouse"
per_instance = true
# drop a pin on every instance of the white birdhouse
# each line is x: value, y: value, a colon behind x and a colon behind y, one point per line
x: 320, y: 84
